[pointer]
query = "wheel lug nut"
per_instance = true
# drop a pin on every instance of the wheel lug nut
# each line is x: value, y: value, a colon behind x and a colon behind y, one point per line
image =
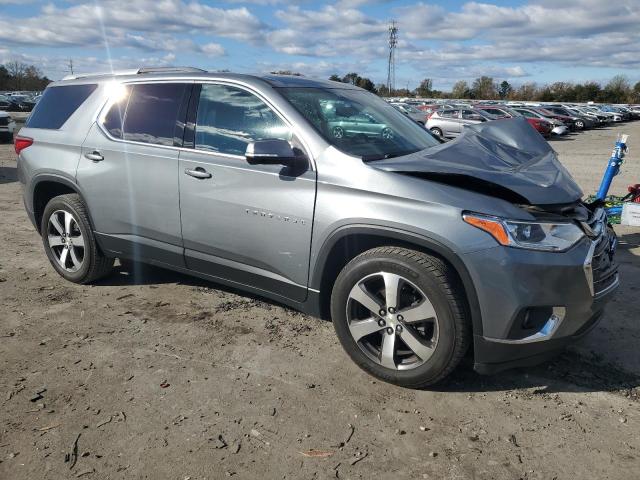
x: 400, y: 318
x: 392, y: 310
x: 381, y: 323
x: 382, y: 312
x: 398, y: 328
x: 389, y: 330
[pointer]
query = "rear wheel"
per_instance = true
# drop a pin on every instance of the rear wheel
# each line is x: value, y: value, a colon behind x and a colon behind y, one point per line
x: 69, y: 242
x: 436, y: 131
x: 338, y: 132
x: 579, y: 124
x: 400, y: 316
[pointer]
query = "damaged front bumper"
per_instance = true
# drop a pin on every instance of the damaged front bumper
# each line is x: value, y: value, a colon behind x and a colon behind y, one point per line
x: 533, y: 304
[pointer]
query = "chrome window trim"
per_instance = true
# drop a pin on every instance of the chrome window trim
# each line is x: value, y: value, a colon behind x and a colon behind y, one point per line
x: 108, y: 104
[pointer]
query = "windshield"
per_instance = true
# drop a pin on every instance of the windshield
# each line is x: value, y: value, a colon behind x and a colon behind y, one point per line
x: 359, y: 123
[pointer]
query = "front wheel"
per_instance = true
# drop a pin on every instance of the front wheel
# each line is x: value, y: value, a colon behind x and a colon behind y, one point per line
x: 69, y: 242
x: 400, y: 316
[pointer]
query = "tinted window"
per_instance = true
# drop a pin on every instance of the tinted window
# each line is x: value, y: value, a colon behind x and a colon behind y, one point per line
x: 58, y: 104
x: 448, y: 113
x: 154, y: 113
x: 229, y: 118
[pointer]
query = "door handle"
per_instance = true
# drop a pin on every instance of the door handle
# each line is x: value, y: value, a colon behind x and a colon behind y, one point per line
x: 94, y: 156
x: 198, y: 172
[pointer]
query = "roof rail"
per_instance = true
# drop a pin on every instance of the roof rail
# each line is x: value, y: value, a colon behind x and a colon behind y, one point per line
x: 170, y: 70
x: 137, y: 71
x: 132, y: 71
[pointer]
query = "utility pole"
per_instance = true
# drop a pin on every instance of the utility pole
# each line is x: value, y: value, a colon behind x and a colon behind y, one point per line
x: 391, y: 68
x: 71, y: 66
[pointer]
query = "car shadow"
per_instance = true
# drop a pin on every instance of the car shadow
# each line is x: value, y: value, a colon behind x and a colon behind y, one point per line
x: 573, y: 370
x: 570, y: 371
x: 8, y: 175
x: 137, y: 273
x: 564, y: 138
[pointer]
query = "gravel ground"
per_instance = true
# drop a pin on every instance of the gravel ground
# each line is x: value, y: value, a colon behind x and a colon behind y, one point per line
x: 151, y: 374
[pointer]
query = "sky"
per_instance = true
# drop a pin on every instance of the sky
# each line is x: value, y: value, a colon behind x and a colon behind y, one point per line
x: 515, y: 40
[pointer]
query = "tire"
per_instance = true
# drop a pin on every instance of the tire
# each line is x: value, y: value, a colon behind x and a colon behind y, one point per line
x: 443, y: 336
x: 65, y: 226
x: 436, y: 131
x: 386, y: 133
x: 580, y: 125
x: 337, y: 132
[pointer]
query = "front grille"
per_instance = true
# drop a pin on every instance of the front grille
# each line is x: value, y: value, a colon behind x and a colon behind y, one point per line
x: 605, y: 269
x: 4, y: 121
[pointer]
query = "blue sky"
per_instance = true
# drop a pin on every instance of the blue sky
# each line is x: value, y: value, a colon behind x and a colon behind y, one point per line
x: 520, y: 41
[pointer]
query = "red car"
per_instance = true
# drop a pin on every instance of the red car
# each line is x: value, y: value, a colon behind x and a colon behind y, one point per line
x: 541, y: 125
x: 568, y: 121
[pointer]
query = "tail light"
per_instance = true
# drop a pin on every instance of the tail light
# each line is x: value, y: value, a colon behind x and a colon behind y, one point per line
x: 430, y: 114
x: 20, y: 143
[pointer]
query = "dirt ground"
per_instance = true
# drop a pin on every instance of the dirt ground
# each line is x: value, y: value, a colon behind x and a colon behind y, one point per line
x: 151, y: 374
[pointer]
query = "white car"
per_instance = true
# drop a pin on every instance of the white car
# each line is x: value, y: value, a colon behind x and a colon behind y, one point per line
x: 7, y: 126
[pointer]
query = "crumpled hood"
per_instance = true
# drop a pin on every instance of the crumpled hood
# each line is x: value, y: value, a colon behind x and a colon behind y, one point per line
x: 508, y: 153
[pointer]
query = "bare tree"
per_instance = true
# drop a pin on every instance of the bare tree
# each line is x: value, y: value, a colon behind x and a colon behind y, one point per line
x: 18, y: 71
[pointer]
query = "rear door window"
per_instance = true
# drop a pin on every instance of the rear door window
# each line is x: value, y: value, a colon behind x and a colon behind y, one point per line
x: 58, y: 104
x: 155, y: 113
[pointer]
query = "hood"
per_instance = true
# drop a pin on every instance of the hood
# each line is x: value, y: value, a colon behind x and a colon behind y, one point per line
x: 506, y: 158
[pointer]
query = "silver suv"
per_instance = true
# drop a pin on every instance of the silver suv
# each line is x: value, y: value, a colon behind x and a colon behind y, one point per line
x: 450, y: 122
x: 415, y: 248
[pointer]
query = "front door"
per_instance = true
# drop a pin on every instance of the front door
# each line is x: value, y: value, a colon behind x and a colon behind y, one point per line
x: 128, y: 173
x: 250, y: 224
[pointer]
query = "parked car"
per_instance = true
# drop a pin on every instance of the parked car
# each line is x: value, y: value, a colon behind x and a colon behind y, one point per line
x: 542, y: 126
x: 405, y: 242
x: 557, y: 127
x: 450, y: 122
x: 564, y: 119
x: 5, y: 104
x: 580, y: 122
x: 20, y: 103
x: 411, y: 112
x: 598, y: 118
x: 613, y: 115
x: 7, y: 127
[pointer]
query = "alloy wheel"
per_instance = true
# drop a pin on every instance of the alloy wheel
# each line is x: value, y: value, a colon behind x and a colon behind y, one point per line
x: 66, y: 240
x: 392, y: 321
x: 387, y: 133
x: 338, y: 132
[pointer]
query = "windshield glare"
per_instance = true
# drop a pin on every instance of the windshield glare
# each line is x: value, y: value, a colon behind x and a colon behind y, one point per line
x: 359, y: 123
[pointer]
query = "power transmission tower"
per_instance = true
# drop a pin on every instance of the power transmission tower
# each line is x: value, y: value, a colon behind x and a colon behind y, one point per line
x: 391, y: 69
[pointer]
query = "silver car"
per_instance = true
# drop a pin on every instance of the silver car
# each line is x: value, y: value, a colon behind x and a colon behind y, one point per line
x: 404, y: 241
x: 450, y: 122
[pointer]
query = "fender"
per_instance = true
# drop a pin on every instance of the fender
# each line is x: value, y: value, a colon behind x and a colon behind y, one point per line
x: 405, y: 237
x: 56, y: 178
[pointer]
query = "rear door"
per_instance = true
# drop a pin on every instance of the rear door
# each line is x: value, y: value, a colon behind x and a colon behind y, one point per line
x: 449, y: 122
x: 248, y: 224
x: 128, y: 172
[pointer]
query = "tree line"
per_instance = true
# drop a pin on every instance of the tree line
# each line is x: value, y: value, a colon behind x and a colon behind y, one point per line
x: 21, y: 76
x: 618, y: 90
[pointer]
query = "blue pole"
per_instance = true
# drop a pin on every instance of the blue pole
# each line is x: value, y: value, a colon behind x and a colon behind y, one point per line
x: 613, y: 167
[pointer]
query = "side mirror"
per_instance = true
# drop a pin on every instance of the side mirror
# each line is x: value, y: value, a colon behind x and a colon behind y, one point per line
x: 270, y: 152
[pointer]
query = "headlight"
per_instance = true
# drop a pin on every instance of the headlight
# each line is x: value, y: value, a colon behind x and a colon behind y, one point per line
x: 545, y: 236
